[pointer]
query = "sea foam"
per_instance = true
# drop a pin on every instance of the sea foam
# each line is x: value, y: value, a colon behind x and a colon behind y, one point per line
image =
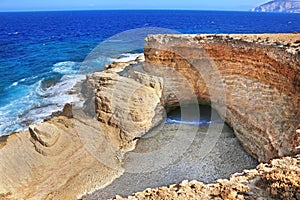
x: 32, y: 103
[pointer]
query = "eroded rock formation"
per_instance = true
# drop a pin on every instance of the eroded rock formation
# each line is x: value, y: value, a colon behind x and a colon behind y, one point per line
x: 253, y: 81
x: 128, y: 105
x: 50, y: 162
x: 81, y: 150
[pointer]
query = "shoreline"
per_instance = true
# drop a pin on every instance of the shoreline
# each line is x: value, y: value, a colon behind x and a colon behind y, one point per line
x: 47, y: 153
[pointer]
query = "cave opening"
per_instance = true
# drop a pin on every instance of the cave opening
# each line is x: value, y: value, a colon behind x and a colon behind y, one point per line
x: 207, y: 115
x: 189, y: 162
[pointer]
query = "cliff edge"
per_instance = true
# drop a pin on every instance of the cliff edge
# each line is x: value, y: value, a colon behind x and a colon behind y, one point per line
x: 253, y: 81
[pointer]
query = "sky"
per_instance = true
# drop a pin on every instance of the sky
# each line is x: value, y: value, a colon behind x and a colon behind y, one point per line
x: 41, y: 5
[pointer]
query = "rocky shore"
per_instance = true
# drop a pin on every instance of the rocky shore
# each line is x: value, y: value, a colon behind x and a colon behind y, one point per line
x: 253, y: 82
x: 277, y: 180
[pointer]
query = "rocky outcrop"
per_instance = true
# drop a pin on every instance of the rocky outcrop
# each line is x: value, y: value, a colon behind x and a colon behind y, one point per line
x: 277, y: 180
x: 287, y: 6
x: 253, y: 81
x: 128, y: 105
x: 81, y: 150
x: 50, y: 162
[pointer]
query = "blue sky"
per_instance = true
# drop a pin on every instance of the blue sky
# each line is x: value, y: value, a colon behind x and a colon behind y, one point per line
x: 25, y: 5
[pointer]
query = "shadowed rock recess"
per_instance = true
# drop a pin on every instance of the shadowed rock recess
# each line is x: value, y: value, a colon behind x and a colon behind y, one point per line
x: 259, y: 73
x: 253, y: 82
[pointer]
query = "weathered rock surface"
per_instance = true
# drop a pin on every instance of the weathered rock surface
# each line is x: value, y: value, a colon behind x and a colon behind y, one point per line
x: 287, y: 6
x: 50, y: 162
x: 126, y: 106
x: 253, y: 81
x: 80, y: 151
x: 59, y: 159
x: 277, y: 180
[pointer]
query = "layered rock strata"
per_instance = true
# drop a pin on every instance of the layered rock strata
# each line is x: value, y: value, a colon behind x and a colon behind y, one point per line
x: 253, y: 81
x: 128, y: 105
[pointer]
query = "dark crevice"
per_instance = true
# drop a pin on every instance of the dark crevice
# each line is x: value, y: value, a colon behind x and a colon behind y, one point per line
x: 205, y: 116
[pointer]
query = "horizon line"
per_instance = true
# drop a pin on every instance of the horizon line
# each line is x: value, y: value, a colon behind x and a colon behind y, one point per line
x: 127, y: 9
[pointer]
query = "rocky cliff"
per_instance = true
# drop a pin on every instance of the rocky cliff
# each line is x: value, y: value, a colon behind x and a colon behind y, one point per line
x: 253, y: 81
x: 287, y: 6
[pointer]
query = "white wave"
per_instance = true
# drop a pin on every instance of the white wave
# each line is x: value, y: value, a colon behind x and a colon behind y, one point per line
x: 14, y: 33
x: 66, y: 67
x: 13, y: 85
x: 174, y: 121
x: 126, y: 57
x: 16, y: 83
x: 112, y: 41
x: 37, y: 104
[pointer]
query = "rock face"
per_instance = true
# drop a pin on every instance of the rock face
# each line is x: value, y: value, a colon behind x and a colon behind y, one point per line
x: 50, y: 162
x: 277, y: 180
x: 127, y: 105
x: 252, y: 81
x: 80, y: 151
x: 287, y: 6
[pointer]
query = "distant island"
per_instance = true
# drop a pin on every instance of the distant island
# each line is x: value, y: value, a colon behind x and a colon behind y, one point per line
x: 285, y: 6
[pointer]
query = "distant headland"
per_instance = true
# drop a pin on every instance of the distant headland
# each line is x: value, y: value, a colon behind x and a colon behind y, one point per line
x: 285, y: 6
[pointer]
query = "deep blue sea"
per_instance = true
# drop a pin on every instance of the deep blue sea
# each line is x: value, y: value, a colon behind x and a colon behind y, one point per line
x: 42, y: 53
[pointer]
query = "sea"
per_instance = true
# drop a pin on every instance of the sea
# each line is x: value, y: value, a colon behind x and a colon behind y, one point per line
x: 44, y: 54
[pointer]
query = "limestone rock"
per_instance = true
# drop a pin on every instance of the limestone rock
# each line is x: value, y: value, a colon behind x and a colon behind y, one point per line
x: 252, y: 80
x: 50, y: 162
x: 118, y: 66
x: 277, y: 180
x: 126, y: 106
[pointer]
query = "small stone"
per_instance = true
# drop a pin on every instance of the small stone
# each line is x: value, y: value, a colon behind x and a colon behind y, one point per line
x: 119, y: 197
